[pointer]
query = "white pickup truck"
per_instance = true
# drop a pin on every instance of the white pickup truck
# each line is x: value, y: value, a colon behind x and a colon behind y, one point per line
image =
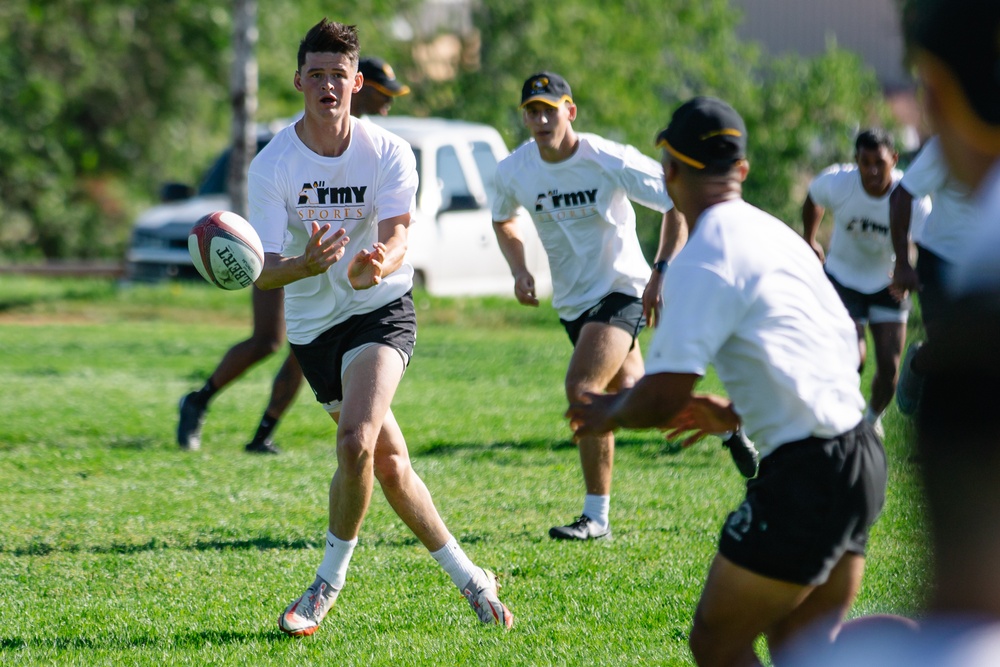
x: 451, y: 244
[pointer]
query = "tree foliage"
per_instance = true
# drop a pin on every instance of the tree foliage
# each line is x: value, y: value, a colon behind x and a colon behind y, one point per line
x: 101, y: 102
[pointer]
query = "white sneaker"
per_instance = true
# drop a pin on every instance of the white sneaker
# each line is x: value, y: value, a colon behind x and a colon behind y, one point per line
x: 481, y: 592
x: 879, y: 429
x: 302, y: 617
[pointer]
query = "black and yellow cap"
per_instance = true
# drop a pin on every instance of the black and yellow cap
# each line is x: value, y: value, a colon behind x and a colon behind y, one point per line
x: 379, y: 75
x: 547, y: 87
x: 705, y: 131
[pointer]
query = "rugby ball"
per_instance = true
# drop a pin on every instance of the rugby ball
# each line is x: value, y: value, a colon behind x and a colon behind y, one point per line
x: 226, y: 250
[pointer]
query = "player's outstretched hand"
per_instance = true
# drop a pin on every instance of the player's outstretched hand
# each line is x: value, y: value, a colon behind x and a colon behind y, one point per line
x: 365, y: 269
x: 592, y: 415
x: 322, y: 250
x: 524, y: 289
x: 704, y: 414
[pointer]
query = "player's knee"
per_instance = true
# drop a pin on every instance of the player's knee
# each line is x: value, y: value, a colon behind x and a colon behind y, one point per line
x: 265, y: 346
x: 391, y: 470
x: 355, y: 450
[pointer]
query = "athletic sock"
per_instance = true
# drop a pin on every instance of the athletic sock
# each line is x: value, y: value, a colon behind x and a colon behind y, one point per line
x: 597, y: 508
x: 452, y: 558
x: 205, y: 394
x: 336, y: 558
x: 266, y: 427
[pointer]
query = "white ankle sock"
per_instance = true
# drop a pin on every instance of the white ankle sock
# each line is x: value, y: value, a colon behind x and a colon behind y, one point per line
x: 455, y: 562
x: 336, y: 558
x: 597, y: 508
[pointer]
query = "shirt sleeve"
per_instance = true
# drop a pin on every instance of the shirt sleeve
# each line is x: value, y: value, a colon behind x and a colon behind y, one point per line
x: 927, y: 173
x: 505, y: 204
x: 642, y: 178
x: 397, y: 184
x: 700, y: 312
x: 267, y: 207
x: 824, y: 188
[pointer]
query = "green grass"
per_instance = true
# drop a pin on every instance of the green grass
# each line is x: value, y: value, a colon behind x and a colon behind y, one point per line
x: 117, y: 548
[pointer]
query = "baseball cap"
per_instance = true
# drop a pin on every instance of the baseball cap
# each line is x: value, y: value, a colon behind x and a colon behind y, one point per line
x: 379, y: 75
x: 705, y: 131
x: 546, y: 87
x: 965, y: 35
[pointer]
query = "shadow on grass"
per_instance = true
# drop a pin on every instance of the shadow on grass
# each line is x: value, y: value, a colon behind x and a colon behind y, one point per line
x: 180, y: 640
x: 658, y: 444
x: 260, y: 544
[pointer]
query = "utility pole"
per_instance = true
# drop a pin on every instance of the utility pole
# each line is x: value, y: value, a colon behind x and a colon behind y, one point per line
x: 243, y: 96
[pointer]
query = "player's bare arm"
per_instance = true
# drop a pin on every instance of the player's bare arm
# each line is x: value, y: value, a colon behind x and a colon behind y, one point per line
x: 512, y: 247
x: 673, y: 236
x: 812, y: 215
x: 321, y: 251
x: 652, y: 403
x: 368, y: 267
x: 904, y: 276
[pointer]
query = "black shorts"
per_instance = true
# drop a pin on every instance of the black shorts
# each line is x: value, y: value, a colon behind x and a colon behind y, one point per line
x: 812, y: 501
x: 618, y: 310
x: 394, y: 324
x: 931, y: 270
x: 878, y: 307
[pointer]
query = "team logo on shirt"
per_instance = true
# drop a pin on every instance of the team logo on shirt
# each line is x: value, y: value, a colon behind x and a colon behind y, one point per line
x: 317, y: 201
x: 867, y: 226
x: 554, y: 205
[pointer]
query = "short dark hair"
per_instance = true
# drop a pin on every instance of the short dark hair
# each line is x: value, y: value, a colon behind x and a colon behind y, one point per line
x: 963, y: 35
x: 874, y: 139
x: 330, y: 37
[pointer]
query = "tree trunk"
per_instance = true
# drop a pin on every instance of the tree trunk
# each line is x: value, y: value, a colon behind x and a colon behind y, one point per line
x: 243, y: 91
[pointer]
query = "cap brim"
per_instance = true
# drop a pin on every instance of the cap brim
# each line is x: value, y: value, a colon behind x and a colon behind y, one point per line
x: 691, y: 162
x: 551, y: 100
x: 392, y: 89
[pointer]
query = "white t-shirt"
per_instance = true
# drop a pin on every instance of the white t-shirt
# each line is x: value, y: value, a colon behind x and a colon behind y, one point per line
x: 979, y: 267
x: 585, y: 221
x: 941, y: 641
x: 290, y: 186
x: 952, y: 219
x: 861, y: 255
x: 747, y: 295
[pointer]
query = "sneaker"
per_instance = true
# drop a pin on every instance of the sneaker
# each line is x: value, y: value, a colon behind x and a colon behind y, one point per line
x: 302, y: 617
x: 262, y: 447
x: 744, y: 454
x: 481, y: 592
x: 191, y: 421
x: 911, y: 384
x: 584, y: 528
x: 878, y: 428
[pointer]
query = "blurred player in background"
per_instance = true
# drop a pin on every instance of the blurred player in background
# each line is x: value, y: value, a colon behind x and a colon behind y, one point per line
x: 860, y: 260
x: 948, y: 229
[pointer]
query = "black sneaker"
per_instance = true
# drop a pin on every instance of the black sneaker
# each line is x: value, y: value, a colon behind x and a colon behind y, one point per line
x: 744, y: 454
x: 910, y: 386
x: 190, y: 423
x: 583, y: 528
x: 262, y: 447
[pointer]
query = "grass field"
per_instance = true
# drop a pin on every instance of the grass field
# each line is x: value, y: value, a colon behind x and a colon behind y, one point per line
x: 117, y: 548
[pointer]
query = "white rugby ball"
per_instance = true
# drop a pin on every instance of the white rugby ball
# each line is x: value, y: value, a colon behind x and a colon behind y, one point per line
x: 226, y: 250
